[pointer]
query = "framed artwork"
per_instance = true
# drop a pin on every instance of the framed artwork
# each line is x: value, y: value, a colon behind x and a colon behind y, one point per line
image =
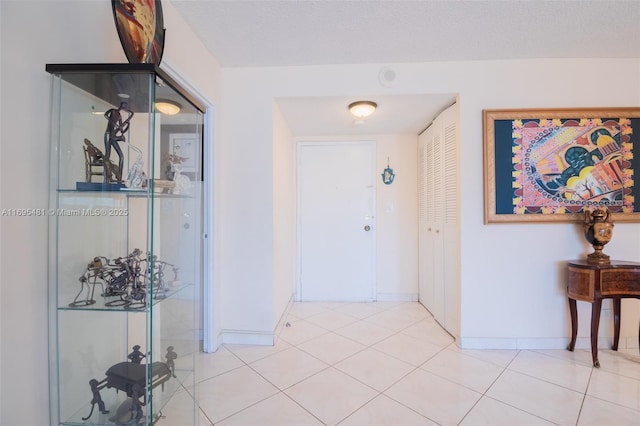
x: 550, y: 165
x: 186, y: 148
x: 140, y: 26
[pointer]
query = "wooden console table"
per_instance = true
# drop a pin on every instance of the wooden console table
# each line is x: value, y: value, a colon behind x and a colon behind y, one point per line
x: 592, y: 283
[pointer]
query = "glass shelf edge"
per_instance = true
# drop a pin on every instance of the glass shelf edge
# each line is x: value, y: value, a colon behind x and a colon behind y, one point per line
x: 100, y: 307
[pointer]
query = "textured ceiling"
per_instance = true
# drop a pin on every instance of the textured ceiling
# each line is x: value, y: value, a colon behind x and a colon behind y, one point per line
x: 299, y: 32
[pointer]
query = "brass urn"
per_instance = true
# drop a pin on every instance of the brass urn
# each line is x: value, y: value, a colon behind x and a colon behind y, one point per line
x: 598, y: 230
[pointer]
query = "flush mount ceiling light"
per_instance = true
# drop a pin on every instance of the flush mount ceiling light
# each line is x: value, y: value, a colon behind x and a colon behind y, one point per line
x: 168, y: 107
x: 362, y: 109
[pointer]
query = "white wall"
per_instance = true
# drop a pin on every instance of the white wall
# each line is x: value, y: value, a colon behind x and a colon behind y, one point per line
x: 513, y: 290
x: 397, y: 218
x: 33, y: 34
x: 245, y: 208
x: 284, y: 215
x: 514, y: 294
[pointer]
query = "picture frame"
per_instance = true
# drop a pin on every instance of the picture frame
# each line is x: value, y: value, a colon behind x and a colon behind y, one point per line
x: 551, y: 165
x: 187, y: 146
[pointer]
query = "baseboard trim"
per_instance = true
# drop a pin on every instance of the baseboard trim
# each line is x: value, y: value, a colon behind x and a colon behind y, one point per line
x: 248, y: 337
x: 283, y: 318
x: 533, y: 343
x: 397, y: 297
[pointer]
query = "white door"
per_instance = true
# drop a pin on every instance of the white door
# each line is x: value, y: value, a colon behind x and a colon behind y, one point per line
x: 336, y: 224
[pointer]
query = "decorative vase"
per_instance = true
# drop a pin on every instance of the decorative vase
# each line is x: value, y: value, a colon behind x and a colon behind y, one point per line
x: 598, y: 230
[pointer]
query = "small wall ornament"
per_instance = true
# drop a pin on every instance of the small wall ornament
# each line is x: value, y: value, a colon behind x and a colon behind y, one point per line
x: 598, y: 230
x: 387, y: 174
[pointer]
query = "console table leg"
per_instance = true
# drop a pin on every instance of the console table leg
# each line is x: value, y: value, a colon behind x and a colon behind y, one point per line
x: 616, y: 323
x: 574, y: 324
x: 595, y: 323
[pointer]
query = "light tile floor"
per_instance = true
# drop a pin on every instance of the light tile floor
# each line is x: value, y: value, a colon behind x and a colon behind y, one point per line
x: 392, y: 364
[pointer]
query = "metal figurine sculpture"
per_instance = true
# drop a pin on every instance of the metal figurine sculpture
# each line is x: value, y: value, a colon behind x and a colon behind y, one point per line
x: 136, y: 356
x: 137, y: 294
x: 158, y: 279
x: 118, y: 125
x: 92, y: 277
x: 171, y: 356
x: 135, y: 379
x: 96, y: 387
x: 95, y: 163
x: 125, y: 281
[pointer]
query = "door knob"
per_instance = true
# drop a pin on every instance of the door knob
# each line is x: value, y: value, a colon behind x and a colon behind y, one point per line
x: 367, y: 228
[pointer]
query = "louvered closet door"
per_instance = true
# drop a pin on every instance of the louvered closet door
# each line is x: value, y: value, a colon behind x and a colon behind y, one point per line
x: 425, y: 210
x: 437, y: 226
x: 451, y: 211
x: 430, y: 223
x: 438, y: 241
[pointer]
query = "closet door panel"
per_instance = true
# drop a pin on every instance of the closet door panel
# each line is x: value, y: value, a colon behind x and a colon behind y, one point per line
x: 425, y: 285
x: 438, y: 198
x: 451, y: 246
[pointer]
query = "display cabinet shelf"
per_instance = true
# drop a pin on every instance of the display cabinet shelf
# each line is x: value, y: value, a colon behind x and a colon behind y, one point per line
x: 124, y: 247
x: 100, y: 303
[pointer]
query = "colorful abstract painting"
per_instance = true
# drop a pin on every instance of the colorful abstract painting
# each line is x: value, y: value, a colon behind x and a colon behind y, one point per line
x: 544, y: 167
x: 562, y: 166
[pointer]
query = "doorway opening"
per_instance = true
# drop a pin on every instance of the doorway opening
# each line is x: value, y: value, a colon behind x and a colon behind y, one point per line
x: 336, y: 221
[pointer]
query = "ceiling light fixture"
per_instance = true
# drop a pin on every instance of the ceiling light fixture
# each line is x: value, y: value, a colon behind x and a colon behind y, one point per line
x: 362, y: 109
x: 168, y: 107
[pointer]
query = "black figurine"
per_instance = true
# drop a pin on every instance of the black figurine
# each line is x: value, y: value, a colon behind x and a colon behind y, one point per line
x: 135, y: 379
x: 170, y: 357
x: 136, y: 356
x: 136, y: 409
x: 130, y: 411
x: 118, y: 125
x: 96, y: 387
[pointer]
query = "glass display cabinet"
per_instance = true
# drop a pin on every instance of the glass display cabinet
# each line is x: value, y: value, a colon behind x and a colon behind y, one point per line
x: 124, y: 246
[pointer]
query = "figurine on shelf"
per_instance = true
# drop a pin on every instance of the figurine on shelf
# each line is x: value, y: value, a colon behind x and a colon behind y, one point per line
x: 89, y: 279
x: 161, y: 285
x: 95, y: 164
x: 118, y: 124
x: 171, y: 161
x: 136, y: 178
x: 96, y: 387
x: 173, y: 172
x: 126, y: 281
x: 135, y: 379
x: 137, y: 297
x: 598, y: 230
x: 130, y: 411
x: 171, y: 356
x: 121, y: 280
x: 136, y: 356
x: 182, y: 183
x: 136, y: 408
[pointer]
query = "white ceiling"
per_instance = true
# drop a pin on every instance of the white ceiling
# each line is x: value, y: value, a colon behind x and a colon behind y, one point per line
x: 309, y: 32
